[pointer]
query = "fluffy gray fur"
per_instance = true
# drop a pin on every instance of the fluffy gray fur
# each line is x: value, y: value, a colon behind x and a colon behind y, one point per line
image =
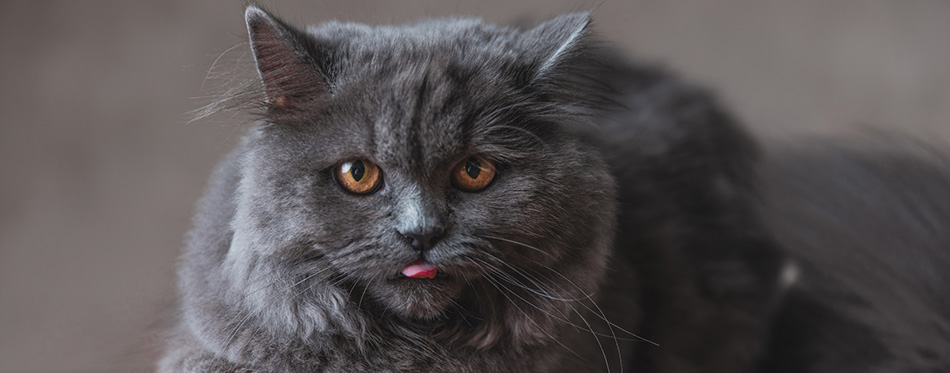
x: 624, y: 202
x: 285, y: 271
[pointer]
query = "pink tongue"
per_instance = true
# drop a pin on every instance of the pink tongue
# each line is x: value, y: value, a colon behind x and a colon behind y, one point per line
x: 420, y: 269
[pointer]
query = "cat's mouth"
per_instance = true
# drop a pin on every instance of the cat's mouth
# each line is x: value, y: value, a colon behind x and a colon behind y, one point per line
x: 417, y: 290
x: 420, y: 270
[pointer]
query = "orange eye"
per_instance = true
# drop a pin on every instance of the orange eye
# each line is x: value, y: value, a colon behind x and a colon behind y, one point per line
x: 473, y: 174
x: 359, y: 176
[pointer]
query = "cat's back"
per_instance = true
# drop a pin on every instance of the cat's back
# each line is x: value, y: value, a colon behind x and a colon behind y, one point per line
x: 850, y: 238
x: 868, y: 226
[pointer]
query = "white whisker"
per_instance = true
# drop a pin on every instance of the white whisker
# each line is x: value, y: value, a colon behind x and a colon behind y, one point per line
x: 519, y: 244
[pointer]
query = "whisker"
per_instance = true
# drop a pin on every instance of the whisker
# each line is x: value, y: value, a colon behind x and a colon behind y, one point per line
x: 234, y: 332
x: 495, y: 284
x: 601, y: 313
x: 589, y: 297
x: 360, y: 304
x: 562, y: 318
x: 589, y: 328
x: 519, y: 244
x: 600, y: 345
x: 515, y: 282
x: 528, y: 276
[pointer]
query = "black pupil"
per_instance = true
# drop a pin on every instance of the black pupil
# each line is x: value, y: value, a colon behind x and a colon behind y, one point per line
x: 358, y: 169
x: 473, y: 168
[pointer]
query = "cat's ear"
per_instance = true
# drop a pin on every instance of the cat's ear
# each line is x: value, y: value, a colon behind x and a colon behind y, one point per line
x: 286, y: 62
x: 556, y: 42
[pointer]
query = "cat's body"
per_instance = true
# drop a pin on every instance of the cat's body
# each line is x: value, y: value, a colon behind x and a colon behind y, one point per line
x: 619, y: 193
x: 867, y: 222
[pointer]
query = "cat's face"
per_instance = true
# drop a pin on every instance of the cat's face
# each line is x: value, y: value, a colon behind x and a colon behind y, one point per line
x: 408, y: 147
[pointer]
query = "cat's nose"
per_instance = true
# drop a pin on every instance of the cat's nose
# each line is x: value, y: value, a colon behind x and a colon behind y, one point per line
x: 423, y: 240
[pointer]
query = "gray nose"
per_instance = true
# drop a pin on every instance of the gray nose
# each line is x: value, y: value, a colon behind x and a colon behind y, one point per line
x: 423, y: 241
x: 420, y: 217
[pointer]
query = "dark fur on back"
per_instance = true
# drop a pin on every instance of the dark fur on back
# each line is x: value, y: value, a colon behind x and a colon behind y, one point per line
x: 621, y: 232
x: 867, y: 222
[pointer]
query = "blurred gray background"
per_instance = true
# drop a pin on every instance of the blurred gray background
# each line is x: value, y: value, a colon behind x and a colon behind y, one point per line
x: 100, y: 171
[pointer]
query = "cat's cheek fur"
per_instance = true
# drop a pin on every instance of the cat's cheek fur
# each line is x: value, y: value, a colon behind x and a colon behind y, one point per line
x: 256, y: 265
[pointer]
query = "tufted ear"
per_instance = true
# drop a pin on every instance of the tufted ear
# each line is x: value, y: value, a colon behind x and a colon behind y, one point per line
x: 286, y: 61
x: 555, y: 42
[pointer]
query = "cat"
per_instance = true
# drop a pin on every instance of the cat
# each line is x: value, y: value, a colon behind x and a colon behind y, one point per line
x: 456, y: 196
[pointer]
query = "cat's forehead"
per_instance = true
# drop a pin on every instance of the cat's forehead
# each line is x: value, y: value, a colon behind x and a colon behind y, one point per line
x: 454, y: 32
x: 424, y: 99
x: 387, y: 51
x: 421, y: 116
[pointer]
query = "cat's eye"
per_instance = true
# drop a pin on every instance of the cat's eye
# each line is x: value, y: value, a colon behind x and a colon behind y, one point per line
x: 359, y: 176
x: 473, y: 174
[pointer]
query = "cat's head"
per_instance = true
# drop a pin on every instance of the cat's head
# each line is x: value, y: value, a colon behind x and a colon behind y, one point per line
x: 449, y: 144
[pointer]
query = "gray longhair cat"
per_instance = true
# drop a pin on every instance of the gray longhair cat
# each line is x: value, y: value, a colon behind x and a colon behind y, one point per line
x: 461, y: 197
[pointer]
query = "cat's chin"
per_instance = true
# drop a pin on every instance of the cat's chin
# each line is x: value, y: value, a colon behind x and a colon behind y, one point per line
x: 417, y: 298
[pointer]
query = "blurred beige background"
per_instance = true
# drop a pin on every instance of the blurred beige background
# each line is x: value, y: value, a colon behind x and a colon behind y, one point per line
x: 100, y: 172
